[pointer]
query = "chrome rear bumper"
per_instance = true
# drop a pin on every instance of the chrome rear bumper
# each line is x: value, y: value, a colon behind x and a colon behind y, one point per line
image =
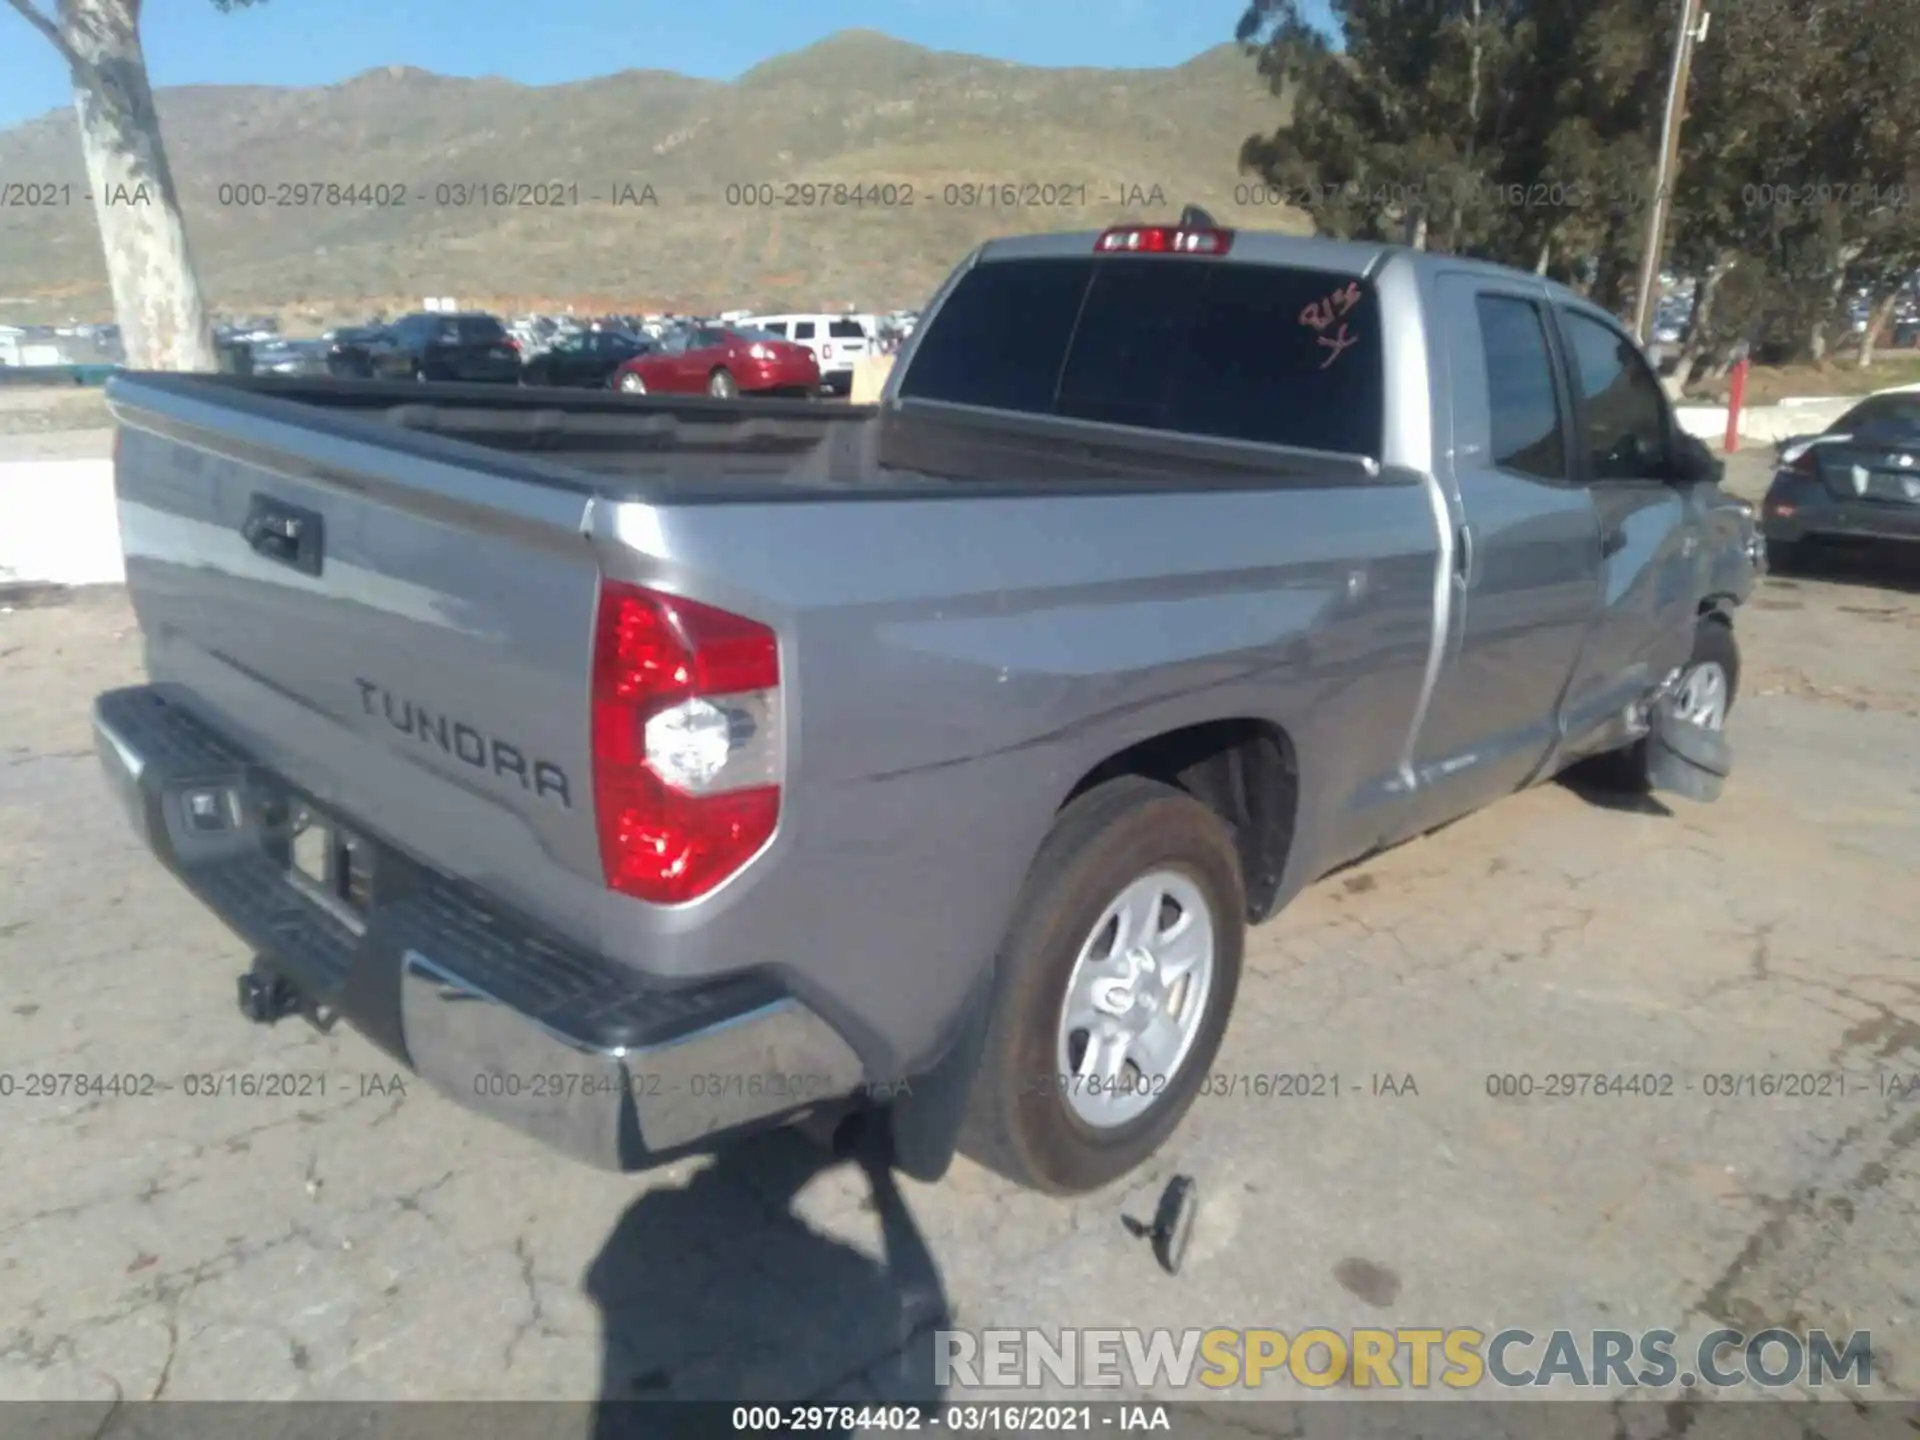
x: 588, y: 1056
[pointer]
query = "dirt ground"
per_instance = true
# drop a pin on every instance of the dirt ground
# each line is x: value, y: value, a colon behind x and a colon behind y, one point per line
x: 375, y: 1241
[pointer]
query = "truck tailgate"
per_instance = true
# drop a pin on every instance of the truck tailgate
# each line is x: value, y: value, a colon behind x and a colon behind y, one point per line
x: 404, y: 639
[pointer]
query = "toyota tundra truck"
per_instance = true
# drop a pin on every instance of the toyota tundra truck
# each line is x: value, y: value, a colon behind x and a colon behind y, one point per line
x: 646, y: 771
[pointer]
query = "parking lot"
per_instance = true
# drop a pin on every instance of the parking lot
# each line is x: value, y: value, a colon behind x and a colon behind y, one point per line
x: 368, y: 1239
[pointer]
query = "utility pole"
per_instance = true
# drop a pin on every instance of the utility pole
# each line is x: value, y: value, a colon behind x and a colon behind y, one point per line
x: 1693, y: 29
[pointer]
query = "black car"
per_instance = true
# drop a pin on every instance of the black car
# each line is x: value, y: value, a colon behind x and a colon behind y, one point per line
x: 291, y: 357
x: 584, y: 360
x: 429, y: 346
x: 1858, y: 479
x: 359, y: 352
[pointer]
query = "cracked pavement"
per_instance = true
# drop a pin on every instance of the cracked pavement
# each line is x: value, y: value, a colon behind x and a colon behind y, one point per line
x: 371, y: 1240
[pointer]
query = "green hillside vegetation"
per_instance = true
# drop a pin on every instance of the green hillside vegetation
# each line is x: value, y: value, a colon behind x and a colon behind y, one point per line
x: 858, y: 109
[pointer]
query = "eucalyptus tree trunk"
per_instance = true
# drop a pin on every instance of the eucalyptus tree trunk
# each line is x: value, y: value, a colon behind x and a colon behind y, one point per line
x: 143, y: 236
x: 1877, y: 321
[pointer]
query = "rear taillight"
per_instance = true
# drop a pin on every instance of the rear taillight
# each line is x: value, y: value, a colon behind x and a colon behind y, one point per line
x: 1163, y: 240
x: 687, y: 750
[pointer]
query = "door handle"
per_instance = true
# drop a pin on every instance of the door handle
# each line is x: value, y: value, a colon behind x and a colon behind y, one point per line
x: 1613, y: 542
x: 1463, y: 552
x: 283, y: 533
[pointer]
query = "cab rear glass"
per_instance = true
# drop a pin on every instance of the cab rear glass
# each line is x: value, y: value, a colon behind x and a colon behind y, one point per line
x: 1271, y: 354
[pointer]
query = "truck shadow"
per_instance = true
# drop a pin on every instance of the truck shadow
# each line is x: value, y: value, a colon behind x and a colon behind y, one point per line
x: 717, y: 1292
x: 1591, y: 781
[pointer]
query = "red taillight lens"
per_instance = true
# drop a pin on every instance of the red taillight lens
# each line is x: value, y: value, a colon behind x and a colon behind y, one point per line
x: 686, y: 743
x: 1163, y: 240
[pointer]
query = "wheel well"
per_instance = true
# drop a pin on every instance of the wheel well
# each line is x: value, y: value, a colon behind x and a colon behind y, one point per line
x: 1245, y: 771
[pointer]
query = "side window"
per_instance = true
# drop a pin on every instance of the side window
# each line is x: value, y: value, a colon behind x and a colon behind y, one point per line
x: 706, y: 339
x: 1626, y: 435
x: 1527, y: 434
x: 776, y: 327
x: 803, y: 329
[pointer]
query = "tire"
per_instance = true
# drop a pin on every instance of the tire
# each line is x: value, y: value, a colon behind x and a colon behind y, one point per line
x: 1021, y: 1117
x: 721, y: 386
x: 1713, y: 644
x: 631, y: 384
x: 1786, y: 556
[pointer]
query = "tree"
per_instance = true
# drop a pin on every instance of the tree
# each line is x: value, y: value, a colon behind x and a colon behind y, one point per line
x: 1526, y: 131
x: 156, y: 293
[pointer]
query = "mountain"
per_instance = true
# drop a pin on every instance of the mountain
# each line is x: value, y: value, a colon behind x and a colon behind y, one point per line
x: 659, y: 181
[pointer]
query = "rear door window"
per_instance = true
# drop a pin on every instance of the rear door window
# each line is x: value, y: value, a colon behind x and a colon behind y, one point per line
x: 1883, y: 413
x: 1273, y: 355
x: 803, y: 330
x: 846, y: 330
x: 1528, y: 436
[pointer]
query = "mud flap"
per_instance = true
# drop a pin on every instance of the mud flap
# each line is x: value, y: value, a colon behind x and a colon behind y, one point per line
x: 925, y: 1122
x: 1686, y: 759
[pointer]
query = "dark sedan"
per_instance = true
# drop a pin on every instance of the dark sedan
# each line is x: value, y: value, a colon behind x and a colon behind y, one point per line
x: 586, y: 360
x: 430, y: 346
x: 290, y: 357
x: 361, y: 352
x: 1859, y: 479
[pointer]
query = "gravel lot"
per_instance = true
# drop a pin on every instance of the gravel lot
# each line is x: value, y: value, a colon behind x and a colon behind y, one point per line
x: 42, y: 411
x: 373, y: 1244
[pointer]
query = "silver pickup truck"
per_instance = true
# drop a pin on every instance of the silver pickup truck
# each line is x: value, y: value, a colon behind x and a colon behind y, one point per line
x: 644, y: 771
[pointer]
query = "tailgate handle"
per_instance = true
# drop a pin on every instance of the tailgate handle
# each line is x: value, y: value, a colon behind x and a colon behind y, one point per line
x: 283, y: 532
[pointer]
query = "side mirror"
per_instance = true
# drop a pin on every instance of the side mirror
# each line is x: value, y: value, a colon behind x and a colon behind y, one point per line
x: 1693, y: 463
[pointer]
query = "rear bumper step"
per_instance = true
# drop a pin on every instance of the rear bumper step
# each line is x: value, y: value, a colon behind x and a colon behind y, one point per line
x: 571, y: 1048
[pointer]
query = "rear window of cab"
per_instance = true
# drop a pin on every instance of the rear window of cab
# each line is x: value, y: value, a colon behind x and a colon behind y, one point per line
x: 1270, y: 354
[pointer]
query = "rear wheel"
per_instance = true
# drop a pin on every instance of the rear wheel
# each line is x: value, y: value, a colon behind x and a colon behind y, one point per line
x: 632, y: 384
x: 1786, y: 556
x: 1115, y: 984
x: 722, y: 386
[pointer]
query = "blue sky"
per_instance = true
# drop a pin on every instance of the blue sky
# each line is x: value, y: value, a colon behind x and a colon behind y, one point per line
x: 318, y: 42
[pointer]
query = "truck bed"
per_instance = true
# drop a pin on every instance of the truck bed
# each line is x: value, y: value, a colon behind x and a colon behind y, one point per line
x: 695, y: 449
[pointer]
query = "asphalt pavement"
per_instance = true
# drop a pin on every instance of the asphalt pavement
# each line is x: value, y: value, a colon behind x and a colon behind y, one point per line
x: 362, y: 1238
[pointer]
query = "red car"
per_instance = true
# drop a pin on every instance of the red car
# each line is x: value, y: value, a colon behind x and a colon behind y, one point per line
x: 722, y: 362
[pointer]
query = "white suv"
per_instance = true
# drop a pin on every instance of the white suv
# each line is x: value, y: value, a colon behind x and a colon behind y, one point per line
x: 837, y: 342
